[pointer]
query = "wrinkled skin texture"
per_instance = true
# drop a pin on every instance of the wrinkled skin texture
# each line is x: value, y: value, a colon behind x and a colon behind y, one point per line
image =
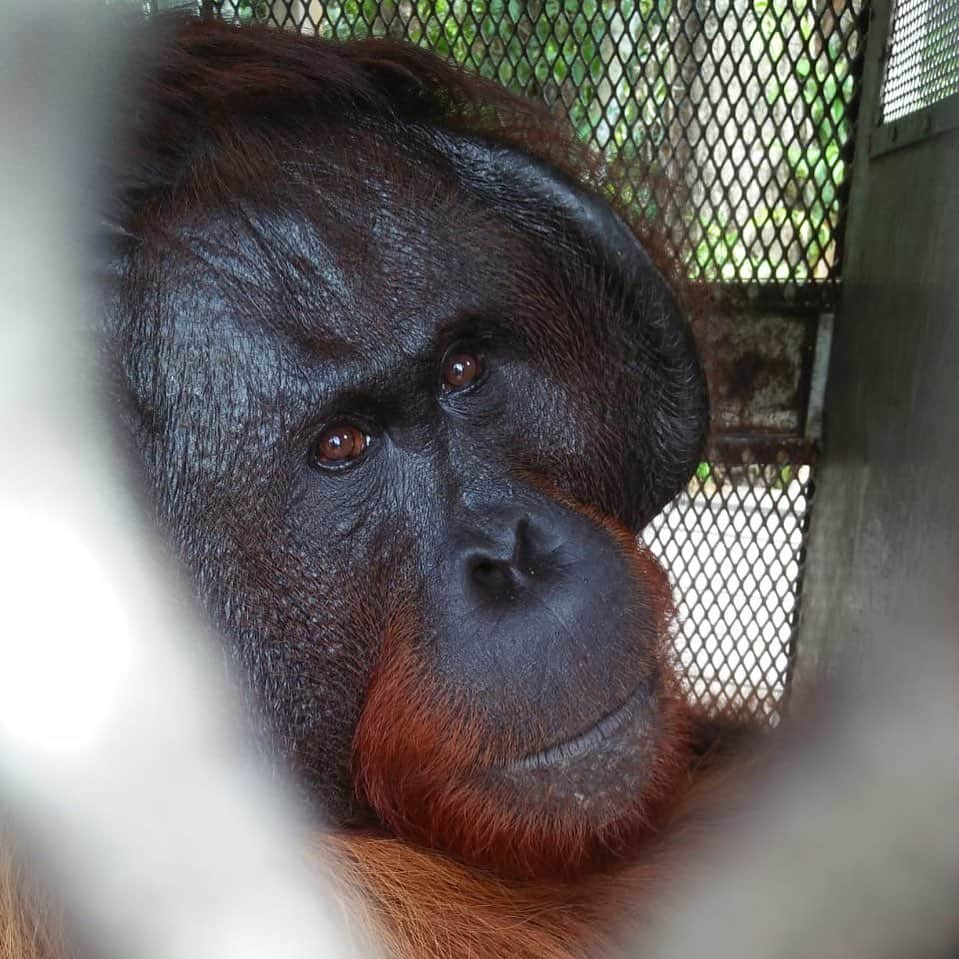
x: 451, y: 634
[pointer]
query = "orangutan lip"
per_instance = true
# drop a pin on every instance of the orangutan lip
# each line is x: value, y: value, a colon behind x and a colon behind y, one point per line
x: 583, y: 743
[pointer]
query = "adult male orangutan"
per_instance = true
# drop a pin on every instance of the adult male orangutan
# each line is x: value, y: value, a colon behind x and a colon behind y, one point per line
x: 403, y: 387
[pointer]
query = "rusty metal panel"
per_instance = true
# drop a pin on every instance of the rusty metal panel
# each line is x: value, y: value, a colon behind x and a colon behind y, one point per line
x: 760, y: 368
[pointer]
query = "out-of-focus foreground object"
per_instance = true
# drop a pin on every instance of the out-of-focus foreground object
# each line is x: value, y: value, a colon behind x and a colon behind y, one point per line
x: 857, y: 853
x: 853, y: 851
x: 120, y: 757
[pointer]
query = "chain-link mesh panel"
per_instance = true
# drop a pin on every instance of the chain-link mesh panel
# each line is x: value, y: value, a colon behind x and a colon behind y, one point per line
x: 734, y: 546
x: 738, y: 109
x: 923, y: 64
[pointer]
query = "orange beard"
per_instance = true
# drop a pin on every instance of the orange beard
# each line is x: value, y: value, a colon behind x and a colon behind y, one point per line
x: 423, y: 905
x: 421, y: 761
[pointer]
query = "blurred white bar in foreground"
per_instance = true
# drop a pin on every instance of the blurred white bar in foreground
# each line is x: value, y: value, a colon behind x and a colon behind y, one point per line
x: 120, y: 758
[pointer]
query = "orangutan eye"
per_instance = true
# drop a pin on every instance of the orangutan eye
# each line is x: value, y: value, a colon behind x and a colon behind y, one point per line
x: 460, y: 370
x: 339, y: 444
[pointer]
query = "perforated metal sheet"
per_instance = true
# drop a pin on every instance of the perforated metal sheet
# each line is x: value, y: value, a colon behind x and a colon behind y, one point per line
x: 923, y: 58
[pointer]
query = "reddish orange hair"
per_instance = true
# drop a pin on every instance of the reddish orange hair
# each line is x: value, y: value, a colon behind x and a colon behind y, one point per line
x: 419, y: 753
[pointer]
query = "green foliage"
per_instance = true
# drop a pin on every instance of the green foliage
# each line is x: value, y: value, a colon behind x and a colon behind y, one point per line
x: 249, y: 11
x: 814, y: 92
x: 555, y: 49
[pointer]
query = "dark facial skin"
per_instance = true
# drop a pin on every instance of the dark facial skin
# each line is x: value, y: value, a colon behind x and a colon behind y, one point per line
x: 399, y: 385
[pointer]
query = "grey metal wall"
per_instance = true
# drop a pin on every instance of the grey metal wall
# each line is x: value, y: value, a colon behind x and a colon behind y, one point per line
x: 886, y: 532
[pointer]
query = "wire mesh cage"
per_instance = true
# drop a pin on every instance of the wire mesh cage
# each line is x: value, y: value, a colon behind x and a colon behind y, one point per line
x: 734, y: 121
x: 923, y: 62
x: 734, y: 545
